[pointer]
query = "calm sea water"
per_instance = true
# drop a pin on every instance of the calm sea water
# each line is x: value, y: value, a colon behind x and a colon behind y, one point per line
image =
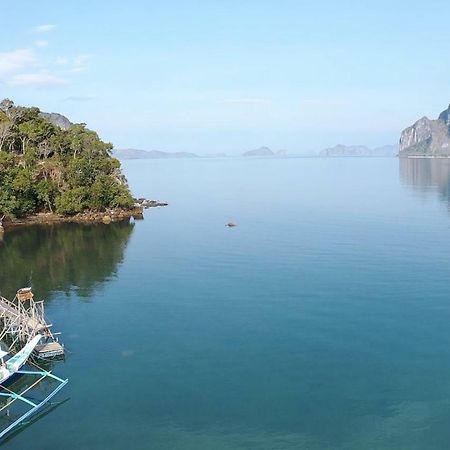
x: 320, y: 322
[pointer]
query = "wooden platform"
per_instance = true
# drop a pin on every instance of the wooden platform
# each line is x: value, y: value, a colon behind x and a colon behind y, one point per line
x: 24, y: 319
x: 50, y: 350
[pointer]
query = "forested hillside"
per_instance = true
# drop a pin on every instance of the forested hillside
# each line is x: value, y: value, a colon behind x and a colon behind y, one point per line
x: 45, y: 168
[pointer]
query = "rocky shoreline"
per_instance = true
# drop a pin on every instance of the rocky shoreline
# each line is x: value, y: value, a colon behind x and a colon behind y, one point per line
x: 106, y: 217
x: 145, y: 203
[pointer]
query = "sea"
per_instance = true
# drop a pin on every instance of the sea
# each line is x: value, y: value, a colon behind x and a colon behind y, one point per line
x: 321, y: 321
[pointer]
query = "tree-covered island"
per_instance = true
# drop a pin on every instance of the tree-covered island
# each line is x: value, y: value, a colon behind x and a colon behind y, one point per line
x: 49, y: 167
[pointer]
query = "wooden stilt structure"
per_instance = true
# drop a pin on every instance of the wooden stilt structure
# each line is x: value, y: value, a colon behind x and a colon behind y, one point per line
x: 23, y: 318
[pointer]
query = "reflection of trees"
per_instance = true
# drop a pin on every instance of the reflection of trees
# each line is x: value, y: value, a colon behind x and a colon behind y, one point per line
x: 427, y: 174
x: 61, y: 257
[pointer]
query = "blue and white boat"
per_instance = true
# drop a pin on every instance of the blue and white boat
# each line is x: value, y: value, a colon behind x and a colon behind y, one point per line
x: 12, y: 366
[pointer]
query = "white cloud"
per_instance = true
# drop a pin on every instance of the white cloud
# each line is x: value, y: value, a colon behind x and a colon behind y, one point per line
x: 41, y: 43
x: 34, y: 67
x: 43, y: 28
x: 18, y: 68
x: 36, y: 79
x: 15, y: 60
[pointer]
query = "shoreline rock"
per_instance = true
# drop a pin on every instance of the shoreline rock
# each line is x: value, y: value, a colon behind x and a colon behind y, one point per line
x: 107, y: 216
x: 145, y: 203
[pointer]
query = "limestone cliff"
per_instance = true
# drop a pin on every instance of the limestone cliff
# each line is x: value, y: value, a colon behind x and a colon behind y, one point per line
x: 427, y: 137
x: 57, y: 119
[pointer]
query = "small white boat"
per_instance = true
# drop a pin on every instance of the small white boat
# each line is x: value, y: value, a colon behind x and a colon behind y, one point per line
x: 15, y: 363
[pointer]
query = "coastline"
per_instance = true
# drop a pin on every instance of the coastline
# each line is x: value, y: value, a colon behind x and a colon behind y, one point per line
x: 424, y: 156
x: 107, y: 216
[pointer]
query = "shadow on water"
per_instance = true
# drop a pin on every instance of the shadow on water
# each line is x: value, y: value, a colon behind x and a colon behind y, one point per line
x: 49, y: 408
x: 61, y: 257
x: 427, y: 175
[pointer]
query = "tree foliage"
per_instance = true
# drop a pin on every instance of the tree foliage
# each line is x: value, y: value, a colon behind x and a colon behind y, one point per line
x: 44, y: 168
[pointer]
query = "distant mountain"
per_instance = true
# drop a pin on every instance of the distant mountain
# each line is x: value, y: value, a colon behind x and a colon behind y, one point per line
x: 261, y: 151
x: 131, y: 153
x: 359, y: 150
x: 57, y: 119
x: 427, y: 137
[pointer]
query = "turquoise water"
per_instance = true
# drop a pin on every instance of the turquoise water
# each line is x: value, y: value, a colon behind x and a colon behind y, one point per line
x: 320, y: 322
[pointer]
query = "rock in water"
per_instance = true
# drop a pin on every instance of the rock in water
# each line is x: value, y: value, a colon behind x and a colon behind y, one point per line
x: 427, y: 137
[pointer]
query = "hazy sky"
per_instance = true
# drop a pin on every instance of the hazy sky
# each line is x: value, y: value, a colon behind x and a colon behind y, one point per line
x: 228, y: 76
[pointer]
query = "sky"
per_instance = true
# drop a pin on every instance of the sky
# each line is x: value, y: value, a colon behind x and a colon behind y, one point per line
x: 230, y: 76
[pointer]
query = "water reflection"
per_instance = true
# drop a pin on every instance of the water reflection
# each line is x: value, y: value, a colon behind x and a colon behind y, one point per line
x: 427, y: 175
x: 61, y: 257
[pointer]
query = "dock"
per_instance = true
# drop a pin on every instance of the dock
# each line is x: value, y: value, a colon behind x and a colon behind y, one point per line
x: 22, y: 322
x: 23, y: 318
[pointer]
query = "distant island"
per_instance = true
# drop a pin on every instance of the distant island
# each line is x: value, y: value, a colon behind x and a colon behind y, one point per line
x: 427, y: 138
x: 264, y: 151
x: 52, y: 167
x: 360, y: 151
x: 132, y: 153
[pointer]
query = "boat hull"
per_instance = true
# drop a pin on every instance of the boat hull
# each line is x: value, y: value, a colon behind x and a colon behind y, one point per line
x: 14, y: 364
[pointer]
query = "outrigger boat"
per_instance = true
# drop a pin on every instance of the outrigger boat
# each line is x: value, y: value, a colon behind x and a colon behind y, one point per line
x: 12, y: 366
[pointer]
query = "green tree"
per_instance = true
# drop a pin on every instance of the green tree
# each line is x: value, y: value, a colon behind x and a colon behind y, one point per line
x: 46, y: 168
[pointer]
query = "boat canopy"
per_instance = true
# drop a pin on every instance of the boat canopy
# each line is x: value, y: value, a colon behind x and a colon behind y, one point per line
x: 3, y: 354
